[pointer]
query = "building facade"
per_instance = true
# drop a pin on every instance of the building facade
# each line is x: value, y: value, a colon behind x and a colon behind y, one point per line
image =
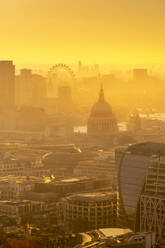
x: 7, y: 84
x: 132, y: 174
x: 101, y: 166
x: 19, y: 209
x: 14, y: 188
x: 152, y: 200
x: 98, y: 209
x: 23, y: 167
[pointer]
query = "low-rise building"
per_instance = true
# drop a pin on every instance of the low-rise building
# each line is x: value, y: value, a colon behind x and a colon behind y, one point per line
x: 22, y: 166
x: 104, y: 165
x: 98, y: 209
x: 71, y: 185
x: 25, y: 208
x: 12, y: 188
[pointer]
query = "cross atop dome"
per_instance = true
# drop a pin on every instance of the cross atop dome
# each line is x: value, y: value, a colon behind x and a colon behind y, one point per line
x: 101, y: 94
x: 101, y: 107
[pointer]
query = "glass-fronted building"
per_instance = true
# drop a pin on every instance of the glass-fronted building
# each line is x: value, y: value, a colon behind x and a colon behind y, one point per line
x: 132, y: 173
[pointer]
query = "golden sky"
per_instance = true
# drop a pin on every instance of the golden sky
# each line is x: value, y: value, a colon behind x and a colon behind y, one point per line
x: 95, y: 31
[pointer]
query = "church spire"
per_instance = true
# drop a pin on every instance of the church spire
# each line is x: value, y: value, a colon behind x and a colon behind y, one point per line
x: 101, y: 94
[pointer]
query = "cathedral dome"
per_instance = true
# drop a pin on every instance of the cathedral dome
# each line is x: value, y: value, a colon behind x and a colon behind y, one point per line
x: 101, y: 120
x: 101, y: 108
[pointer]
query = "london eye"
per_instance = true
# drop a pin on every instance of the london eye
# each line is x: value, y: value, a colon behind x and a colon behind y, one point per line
x: 59, y: 75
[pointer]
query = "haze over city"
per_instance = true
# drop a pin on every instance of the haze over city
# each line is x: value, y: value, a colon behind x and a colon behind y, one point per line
x: 82, y: 124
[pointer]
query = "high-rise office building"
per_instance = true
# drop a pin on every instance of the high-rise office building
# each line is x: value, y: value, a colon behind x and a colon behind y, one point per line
x: 133, y: 170
x: 26, y: 87
x: 30, y: 89
x: 152, y: 200
x: 7, y: 84
x: 39, y: 91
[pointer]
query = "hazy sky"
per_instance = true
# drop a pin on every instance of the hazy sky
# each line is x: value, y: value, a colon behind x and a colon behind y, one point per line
x: 103, y: 31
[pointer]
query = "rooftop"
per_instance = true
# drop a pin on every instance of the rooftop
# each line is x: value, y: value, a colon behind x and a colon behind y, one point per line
x: 147, y: 148
x: 96, y: 196
x: 72, y: 180
x: 113, y: 232
x: 20, y: 179
x: 15, y: 203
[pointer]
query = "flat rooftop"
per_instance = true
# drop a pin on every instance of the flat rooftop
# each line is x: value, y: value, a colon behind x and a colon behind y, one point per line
x: 15, y: 203
x: 74, y: 180
x: 20, y: 179
x: 113, y: 232
x: 147, y: 148
x: 96, y: 196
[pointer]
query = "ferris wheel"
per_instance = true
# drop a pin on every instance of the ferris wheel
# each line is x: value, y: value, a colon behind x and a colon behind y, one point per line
x: 59, y: 75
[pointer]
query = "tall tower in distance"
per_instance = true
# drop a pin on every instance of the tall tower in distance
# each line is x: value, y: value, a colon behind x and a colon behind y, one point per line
x: 65, y: 99
x: 26, y: 87
x: 79, y: 67
x: 7, y: 84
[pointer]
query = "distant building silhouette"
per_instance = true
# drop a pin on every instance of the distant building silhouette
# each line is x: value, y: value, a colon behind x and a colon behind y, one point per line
x: 140, y: 74
x: 65, y: 99
x: 30, y: 89
x: 39, y: 90
x: 7, y: 84
x: 134, y: 122
x: 24, y: 87
x: 88, y: 71
x: 79, y: 67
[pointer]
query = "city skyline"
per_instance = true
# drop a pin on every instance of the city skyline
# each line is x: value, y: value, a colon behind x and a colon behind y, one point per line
x: 82, y: 123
